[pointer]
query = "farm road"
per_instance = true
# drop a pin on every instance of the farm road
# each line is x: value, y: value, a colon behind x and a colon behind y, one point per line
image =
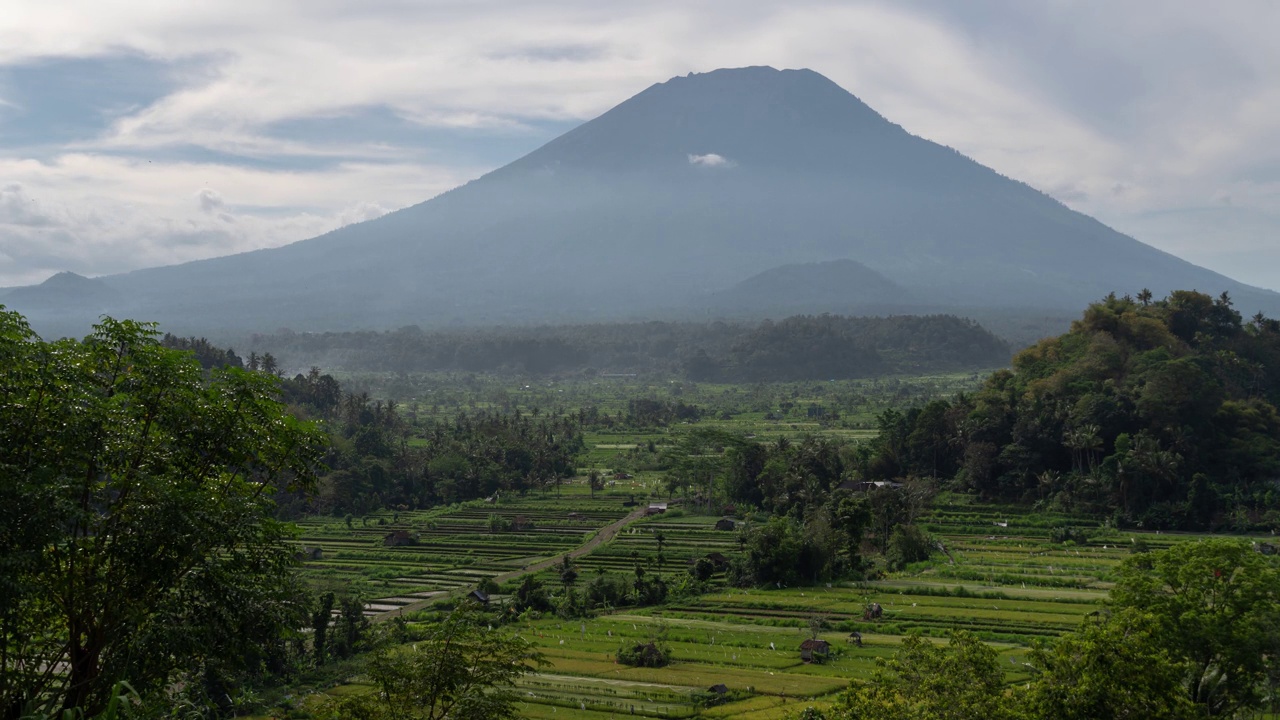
x: 604, y: 535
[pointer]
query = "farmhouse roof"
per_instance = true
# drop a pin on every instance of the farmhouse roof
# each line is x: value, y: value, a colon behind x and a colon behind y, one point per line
x: 867, y: 485
x: 815, y: 645
x: 398, y: 537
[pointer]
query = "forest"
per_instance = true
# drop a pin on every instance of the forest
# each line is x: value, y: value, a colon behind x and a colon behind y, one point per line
x: 797, y: 348
x: 1158, y: 413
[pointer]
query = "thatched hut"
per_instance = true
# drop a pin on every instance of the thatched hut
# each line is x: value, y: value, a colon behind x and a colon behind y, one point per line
x: 814, y: 650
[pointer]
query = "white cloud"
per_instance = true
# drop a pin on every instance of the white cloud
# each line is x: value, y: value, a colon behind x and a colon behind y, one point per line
x: 96, y: 214
x: 710, y: 160
x: 209, y: 200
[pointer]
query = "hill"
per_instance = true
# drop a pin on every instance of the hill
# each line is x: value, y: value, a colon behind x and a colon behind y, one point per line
x: 65, y: 293
x: 686, y: 190
x: 1160, y: 414
x: 833, y: 286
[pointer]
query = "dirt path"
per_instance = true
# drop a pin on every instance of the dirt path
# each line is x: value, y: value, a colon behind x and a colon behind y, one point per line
x: 602, y: 536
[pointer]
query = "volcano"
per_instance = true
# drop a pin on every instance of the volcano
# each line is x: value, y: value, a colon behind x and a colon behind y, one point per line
x: 676, y: 200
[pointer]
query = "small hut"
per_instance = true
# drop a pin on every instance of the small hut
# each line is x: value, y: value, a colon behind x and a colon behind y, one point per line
x: 868, y: 485
x: 309, y: 553
x: 398, y: 538
x: 726, y: 524
x: 479, y: 596
x: 872, y: 612
x: 719, y: 560
x: 855, y: 637
x: 814, y: 650
x: 656, y: 508
x: 719, y: 689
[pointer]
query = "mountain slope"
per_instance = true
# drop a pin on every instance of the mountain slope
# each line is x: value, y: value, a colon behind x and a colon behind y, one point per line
x: 684, y: 190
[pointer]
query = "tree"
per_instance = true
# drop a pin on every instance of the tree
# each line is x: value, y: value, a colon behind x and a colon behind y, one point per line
x: 923, y: 681
x: 702, y: 569
x: 461, y: 671
x: 851, y: 515
x: 1114, y: 667
x: 595, y: 482
x: 1217, y: 607
x: 568, y: 573
x: 321, y: 620
x: 138, y: 542
x: 908, y: 544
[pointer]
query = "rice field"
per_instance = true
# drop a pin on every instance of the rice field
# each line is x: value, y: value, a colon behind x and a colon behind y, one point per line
x: 449, y: 549
x: 1001, y: 577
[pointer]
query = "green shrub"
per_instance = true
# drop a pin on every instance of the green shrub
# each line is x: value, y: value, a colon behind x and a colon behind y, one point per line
x: 650, y: 655
x: 908, y: 544
x: 1069, y: 533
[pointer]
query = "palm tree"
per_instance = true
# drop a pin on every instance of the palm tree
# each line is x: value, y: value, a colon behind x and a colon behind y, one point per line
x: 1144, y: 297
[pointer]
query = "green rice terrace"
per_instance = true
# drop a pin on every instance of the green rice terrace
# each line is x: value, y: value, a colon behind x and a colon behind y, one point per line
x: 405, y: 558
x: 1002, y: 575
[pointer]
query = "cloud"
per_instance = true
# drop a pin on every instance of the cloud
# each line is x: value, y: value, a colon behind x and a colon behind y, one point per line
x: 209, y: 200
x: 96, y: 214
x: 710, y: 160
x: 17, y: 208
x: 1176, y: 105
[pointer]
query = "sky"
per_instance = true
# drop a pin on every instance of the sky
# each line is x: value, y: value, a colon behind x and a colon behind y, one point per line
x: 138, y: 133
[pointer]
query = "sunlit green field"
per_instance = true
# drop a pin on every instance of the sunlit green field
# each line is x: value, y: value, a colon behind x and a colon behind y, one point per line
x: 1008, y: 584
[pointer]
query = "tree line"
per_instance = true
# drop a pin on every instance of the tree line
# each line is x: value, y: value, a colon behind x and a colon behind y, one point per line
x: 798, y: 348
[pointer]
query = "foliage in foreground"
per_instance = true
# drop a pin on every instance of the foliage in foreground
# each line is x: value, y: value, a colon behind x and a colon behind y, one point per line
x: 463, y: 671
x: 1191, y: 632
x: 138, y: 541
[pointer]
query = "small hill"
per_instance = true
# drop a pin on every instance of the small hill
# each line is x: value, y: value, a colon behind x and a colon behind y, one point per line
x: 833, y: 286
x: 65, y: 292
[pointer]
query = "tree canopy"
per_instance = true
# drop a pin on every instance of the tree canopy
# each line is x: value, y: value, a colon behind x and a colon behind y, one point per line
x: 138, y: 541
x: 1162, y: 413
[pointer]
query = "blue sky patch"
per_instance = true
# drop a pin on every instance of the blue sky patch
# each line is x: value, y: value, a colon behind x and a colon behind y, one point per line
x: 51, y: 102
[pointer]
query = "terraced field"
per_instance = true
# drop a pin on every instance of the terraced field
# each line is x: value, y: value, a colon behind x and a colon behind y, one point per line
x: 452, y: 548
x: 1001, y: 576
x: 1003, y: 579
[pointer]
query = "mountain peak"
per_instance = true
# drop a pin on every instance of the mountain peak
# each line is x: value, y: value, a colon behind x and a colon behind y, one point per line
x: 757, y: 116
x: 66, y: 278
